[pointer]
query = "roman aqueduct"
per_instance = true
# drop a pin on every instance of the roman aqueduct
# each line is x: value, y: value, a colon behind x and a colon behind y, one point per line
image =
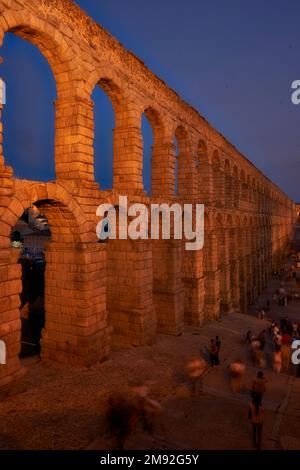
x: 128, y: 291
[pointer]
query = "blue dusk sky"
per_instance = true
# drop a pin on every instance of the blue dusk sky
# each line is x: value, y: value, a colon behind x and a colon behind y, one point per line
x: 233, y: 60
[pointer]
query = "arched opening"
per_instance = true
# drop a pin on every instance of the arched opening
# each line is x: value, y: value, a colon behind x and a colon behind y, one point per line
x: 181, y: 169
x: 243, y: 251
x: 148, y: 120
x: 28, y: 117
x: 211, y: 271
x: 236, y: 188
x: 233, y: 246
x: 75, y: 291
x: 201, y: 153
x: 155, y: 154
x: 203, y: 192
x: 107, y: 98
x: 243, y: 191
x: 176, y: 167
x: 253, y: 191
x: 30, y: 235
x: 223, y: 264
x: 218, y: 179
x: 228, y: 184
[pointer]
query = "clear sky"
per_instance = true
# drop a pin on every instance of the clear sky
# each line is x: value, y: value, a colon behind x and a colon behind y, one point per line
x: 233, y: 60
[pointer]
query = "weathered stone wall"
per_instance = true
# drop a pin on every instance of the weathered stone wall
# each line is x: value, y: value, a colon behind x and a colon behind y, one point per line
x: 136, y: 289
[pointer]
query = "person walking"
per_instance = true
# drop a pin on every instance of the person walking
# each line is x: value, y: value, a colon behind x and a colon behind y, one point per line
x: 195, y: 368
x: 258, y: 386
x: 237, y: 371
x: 146, y: 406
x: 277, y: 360
x: 122, y: 418
x: 286, y: 351
x: 218, y: 344
x: 255, y: 414
x: 213, y: 352
x: 262, y: 339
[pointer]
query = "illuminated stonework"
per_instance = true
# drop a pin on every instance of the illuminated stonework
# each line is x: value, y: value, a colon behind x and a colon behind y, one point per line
x: 127, y: 291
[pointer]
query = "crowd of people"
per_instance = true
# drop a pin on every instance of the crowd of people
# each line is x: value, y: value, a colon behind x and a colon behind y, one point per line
x: 269, y: 347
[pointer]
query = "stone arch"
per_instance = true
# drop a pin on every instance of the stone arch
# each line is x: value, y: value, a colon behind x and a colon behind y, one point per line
x: 203, y: 176
x: 116, y: 107
x: 156, y: 122
x: 46, y: 194
x: 183, y: 161
x: 75, y: 302
x: 210, y: 269
x: 48, y: 40
x: 243, y: 262
x: 182, y: 137
x: 127, y: 136
x: 228, y: 183
x: 227, y: 166
x: 218, y: 179
x: 113, y: 91
x: 236, y: 187
x: 233, y: 247
x: 71, y: 151
x: 223, y: 263
x: 162, y: 163
x: 202, y: 153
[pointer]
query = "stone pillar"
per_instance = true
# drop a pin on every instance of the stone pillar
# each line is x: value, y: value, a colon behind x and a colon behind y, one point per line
x: 243, y: 285
x: 211, y: 277
x: 74, y: 135
x: 228, y: 190
x: 224, y: 267
x: 130, y: 292
x: 128, y: 151
x: 205, y: 193
x: 237, y: 193
x: 76, y: 330
x: 219, y: 186
x: 163, y: 169
x: 193, y: 282
x: 11, y: 373
x: 235, y: 290
x: 168, y: 289
x: 187, y: 176
x: 234, y: 268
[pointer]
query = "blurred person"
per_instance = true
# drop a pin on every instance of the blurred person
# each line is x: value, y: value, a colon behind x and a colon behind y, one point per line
x: 146, y: 407
x: 213, y: 353
x: 262, y: 339
x: 254, y: 348
x: 286, y: 357
x: 195, y: 368
x: 255, y: 414
x: 249, y: 337
x: 258, y: 386
x: 122, y: 418
x: 277, y: 361
x: 237, y: 371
